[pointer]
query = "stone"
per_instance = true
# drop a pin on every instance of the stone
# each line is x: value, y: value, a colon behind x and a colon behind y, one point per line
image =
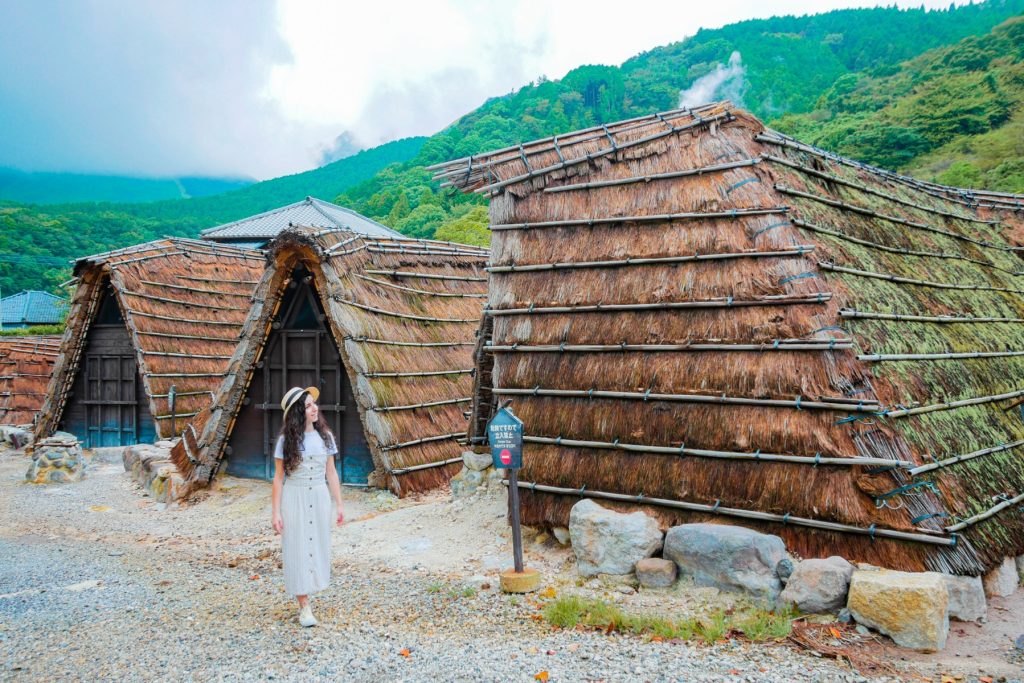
x: 561, y: 534
x: 1002, y: 580
x: 609, y: 542
x: 165, y: 444
x: 493, y: 477
x: 818, y: 586
x: 784, y: 569
x: 466, y: 483
x: 966, y: 597
x: 1020, y: 568
x: 58, y: 476
x: 844, y: 616
x: 656, y: 572
x: 727, y: 557
x: 477, y: 461
x: 910, y: 608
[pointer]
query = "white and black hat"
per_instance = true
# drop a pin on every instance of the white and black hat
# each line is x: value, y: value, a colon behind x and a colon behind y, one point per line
x: 293, y: 394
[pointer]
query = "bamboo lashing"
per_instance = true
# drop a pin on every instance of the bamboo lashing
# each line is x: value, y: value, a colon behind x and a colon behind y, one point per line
x: 334, y: 247
x: 156, y: 316
x: 425, y: 276
x: 169, y: 354
x: 176, y: 415
x: 194, y: 289
x: 425, y: 466
x: 163, y: 254
x: 716, y: 168
x: 406, y: 316
x: 964, y: 458
x: 184, y: 393
x: 426, y: 439
x: 942, y: 319
x: 390, y: 342
x: 425, y: 373
x: 361, y: 247
x: 179, y: 302
x: 414, y: 406
x: 726, y: 302
x: 423, y: 251
x: 741, y: 513
x: 869, y: 190
x: 650, y: 218
x: 755, y: 456
x: 197, y: 337
x: 426, y: 292
x: 185, y: 374
x: 950, y: 405
x: 218, y: 281
x: 911, y: 281
x: 985, y: 515
x: 482, y: 251
x: 883, y: 357
x: 646, y: 396
x: 797, y: 251
x: 775, y: 345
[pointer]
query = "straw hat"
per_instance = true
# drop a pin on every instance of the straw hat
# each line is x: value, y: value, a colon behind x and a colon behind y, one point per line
x: 292, y: 395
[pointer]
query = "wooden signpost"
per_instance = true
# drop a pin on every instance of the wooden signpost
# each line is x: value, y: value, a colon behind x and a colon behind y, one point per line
x: 505, y: 436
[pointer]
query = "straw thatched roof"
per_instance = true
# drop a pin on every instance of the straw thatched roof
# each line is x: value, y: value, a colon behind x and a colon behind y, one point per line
x: 403, y: 314
x: 183, y: 302
x: 26, y: 364
x: 703, y: 317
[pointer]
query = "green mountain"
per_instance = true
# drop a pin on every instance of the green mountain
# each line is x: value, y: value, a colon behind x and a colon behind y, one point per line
x: 36, y: 242
x: 58, y: 188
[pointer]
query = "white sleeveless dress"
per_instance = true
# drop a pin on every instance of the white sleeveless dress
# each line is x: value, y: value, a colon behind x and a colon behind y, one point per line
x: 306, y: 513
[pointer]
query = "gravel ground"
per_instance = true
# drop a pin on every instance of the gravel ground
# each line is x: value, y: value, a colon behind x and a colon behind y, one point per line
x: 96, y: 583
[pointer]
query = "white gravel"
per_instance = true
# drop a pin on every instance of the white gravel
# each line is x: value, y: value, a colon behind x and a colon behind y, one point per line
x: 96, y: 584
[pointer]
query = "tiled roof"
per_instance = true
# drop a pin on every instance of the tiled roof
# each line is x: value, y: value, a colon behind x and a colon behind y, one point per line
x: 33, y: 308
x: 309, y: 212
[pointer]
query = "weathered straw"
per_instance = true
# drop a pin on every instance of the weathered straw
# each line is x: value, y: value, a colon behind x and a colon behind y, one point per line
x: 424, y: 466
x: 953, y: 404
x: 716, y: 168
x: 878, y: 357
x: 426, y: 373
x: 426, y: 439
x: 391, y: 342
x: 425, y: 276
x: 985, y: 515
x: 942, y: 319
x: 179, y: 302
x: 406, y: 316
x: 728, y: 302
x: 963, y: 458
x: 426, y: 292
x: 650, y: 218
x: 414, y: 406
x: 776, y: 345
x: 797, y: 251
x: 911, y: 281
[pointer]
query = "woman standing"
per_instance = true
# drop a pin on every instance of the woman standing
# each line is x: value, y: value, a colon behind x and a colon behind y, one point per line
x: 304, y: 475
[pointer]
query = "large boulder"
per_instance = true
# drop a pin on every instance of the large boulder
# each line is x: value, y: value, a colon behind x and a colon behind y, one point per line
x: 910, y: 608
x: 609, y: 542
x: 1002, y: 581
x: 818, y: 586
x: 727, y: 557
x: 966, y: 597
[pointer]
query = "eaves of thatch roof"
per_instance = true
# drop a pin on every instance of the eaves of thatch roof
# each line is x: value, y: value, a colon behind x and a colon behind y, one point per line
x: 26, y: 364
x: 403, y: 314
x: 183, y: 302
x: 708, y: 319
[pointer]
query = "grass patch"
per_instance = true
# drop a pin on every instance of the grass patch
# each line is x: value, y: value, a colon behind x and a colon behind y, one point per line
x: 572, y: 611
x: 435, y: 588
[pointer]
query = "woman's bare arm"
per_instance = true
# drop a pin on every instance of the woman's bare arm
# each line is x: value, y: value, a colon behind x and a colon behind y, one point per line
x: 335, y: 486
x: 275, y: 496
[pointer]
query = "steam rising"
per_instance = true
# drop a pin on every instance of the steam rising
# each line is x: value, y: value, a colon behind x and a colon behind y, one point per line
x: 724, y: 83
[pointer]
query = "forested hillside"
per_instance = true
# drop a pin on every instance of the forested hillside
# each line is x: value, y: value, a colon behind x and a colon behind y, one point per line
x: 931, y: 92
x: 56, y: 188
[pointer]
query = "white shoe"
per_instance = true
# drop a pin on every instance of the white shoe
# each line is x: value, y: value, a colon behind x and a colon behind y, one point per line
x: 306, y: 617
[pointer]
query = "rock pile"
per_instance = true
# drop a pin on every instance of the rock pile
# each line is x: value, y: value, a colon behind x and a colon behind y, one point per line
x: 151, y: 466
x: 477, y: 472
x: 16, y: 436
x: 57, y: 460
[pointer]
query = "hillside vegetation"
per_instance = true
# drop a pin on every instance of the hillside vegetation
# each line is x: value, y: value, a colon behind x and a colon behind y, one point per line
x: 55, y: 188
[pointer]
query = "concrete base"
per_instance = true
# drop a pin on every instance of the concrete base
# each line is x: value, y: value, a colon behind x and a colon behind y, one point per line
x: 526, y: 581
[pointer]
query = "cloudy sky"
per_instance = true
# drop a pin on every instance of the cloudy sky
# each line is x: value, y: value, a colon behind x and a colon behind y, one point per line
x: 261, y: 88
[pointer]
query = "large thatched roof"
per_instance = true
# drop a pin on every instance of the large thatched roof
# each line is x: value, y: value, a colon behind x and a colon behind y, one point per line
x: 183, y: 302
x: 704, y: 317
x: 403, y: 314
x: 26, y: 364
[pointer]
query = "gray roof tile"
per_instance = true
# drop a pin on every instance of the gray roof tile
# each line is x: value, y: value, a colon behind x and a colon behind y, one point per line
x: 32, y: 308
x: 310, y: 212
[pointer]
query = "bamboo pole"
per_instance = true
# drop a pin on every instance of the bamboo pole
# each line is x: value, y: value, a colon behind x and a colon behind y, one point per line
x: 143, y: 314
x: 742, y: 513
x: 775, y: 300
x: 798, y: 403
x: 777, y: 345
x: 218, y: 281
x: 194, y: 289
x: 911, y: 281
x: 869, y: 190
x: 425, y: 466
x: 414, y: 406
x: 950, y: 405
x: 168, y: 354
x: 163, y: 254
x: 878, y: 357
x: 388, y: 342
x: 184, y: 393
x: 798, y: 251
x: 331, y: 249
x: 716, y: 168
x: 483, y: 251
x: 405, y: 316
x: 985, y: 515
x: 423, y: 251
x: 963, y: 458
x: 426, y: 439
x: 944, y: 319
x: 198, y: 337
x: 348, y: 252
x: 897, y: 250
x: 179, y: 302
x: 427, y: 373
x: 425, y: 276
x: 176, y: 415
x: 653, y: 218
x: 392, y: 285
x: 186, y: 374
x: 756, y: 456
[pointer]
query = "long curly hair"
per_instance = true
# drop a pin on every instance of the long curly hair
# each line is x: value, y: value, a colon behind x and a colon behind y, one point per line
x: 294, y: 430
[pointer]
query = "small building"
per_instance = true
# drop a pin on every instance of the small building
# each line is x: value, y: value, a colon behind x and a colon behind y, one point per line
x: 384, y: 326
x: 26, y: 364
x: 255, y: 231
x: 703, y: 318
x: 149, y: 334
x: 31, y: 307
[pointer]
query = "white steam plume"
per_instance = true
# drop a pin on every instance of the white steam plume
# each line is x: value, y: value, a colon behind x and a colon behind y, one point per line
x: 725, y: 82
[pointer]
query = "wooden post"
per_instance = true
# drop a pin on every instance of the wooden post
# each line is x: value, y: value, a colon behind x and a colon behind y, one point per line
x: 517, y: 532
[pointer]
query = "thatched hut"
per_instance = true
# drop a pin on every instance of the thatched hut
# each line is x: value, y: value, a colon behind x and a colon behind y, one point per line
x: 26, y: 364
x: 384, y: 326
x: 704, y: 318
x: 145, y: 320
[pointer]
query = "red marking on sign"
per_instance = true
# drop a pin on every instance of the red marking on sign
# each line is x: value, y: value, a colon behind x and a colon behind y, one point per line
x: 506, y: 456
